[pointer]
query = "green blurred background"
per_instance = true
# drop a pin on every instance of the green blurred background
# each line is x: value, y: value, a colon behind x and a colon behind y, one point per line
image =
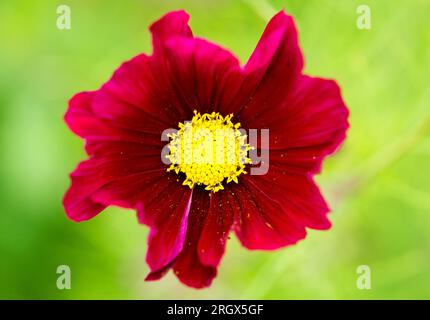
x: 377, y: 185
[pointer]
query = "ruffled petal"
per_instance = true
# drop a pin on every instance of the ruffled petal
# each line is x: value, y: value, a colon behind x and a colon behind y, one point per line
x: 79, y: 116
x: 173, y: 24
x: 311, y: 125
x: 117, y: 180
x: 297, y: 194
x: 260, y: 221
x: 86, y: 123
x: 79, y: 206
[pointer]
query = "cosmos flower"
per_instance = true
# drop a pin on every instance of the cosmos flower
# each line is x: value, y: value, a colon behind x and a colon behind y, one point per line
x: 191, y: 206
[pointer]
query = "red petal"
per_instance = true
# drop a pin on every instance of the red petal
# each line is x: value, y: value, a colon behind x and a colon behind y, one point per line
x: 127, y: 191
x: 203, y: 75
x: 140, y: 93
x: 173, y: 24
x: 79, y: 115
x: 261, y: 222
x: 277, y: 51
x: 77, y: 203
x: 167, y: 235
x: 99, y: 182
x: 310, y: 126
x: 126, y: 105
x: 188, y: 267
x: 297, y: 194
x: 149, y: 147
x: 150, y: 94
x: 82, y: 120
x: 216, y: 228
x: 271, y: 71
x: 158, y: 274
x: 163, y: 209
x: 126, y: 178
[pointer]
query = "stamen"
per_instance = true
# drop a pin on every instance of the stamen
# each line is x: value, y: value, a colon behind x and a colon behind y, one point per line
x: 208, y: 150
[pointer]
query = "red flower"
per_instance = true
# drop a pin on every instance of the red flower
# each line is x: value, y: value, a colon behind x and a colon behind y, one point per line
x: 122, y: 123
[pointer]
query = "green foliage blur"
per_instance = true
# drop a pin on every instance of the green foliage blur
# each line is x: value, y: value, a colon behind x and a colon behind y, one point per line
x: 377, y: 184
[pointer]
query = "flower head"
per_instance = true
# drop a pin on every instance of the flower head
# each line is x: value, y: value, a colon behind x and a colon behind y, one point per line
x: 195, y: 184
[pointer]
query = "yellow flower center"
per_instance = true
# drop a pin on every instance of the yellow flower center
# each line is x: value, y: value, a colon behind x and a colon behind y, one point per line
x: 208, y: 150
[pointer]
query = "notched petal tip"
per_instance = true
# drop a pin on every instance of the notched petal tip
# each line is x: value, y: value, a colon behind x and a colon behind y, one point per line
x: 199, y: 278
x: 173, y: 24
x: 158, y: 274
x: 79, y: 109
x: 79, y: 209
x: 77, y: 202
